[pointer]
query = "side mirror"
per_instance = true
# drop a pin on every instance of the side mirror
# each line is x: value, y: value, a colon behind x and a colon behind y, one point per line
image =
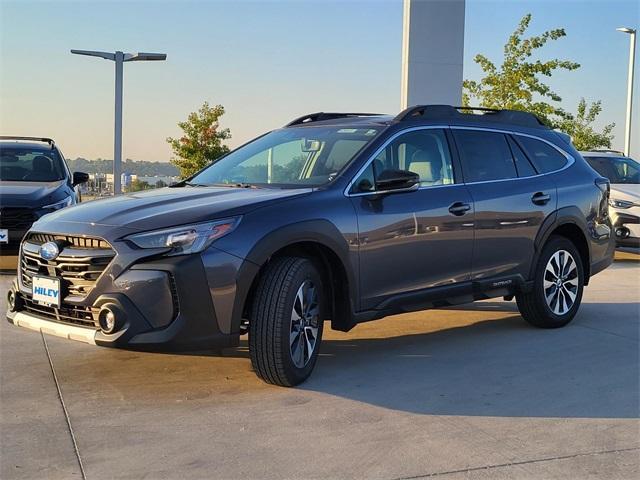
x: 397, y: 180
x: 80, y: 177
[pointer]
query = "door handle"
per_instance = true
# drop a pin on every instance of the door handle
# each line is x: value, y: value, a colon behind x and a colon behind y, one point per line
x: 459, y: 208
x: 541, y: 198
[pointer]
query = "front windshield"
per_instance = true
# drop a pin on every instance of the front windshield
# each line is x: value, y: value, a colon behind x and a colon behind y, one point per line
x: 27, y: 164
x: 616, y: 169
x: 302, y: 156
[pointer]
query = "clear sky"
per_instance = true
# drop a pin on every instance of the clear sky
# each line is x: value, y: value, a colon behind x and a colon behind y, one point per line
x: 266, y: 62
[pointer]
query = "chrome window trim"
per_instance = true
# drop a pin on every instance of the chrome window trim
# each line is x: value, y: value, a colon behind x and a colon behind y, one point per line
x: 570, y: 159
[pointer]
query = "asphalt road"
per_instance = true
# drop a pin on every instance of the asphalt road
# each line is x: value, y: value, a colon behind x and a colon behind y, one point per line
x: 467, y: 392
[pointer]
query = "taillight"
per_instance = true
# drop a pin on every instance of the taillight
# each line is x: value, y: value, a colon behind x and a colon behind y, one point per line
x: 605, y: 187
x: 603, y: 184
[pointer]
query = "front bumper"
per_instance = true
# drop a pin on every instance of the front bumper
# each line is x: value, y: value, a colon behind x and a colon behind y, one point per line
x: 161, y: 303
x: 12, y: 247
x: 629, y: 220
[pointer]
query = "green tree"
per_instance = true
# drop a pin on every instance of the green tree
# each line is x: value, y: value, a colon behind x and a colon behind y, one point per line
x: 516, y: 83
x: 137, y: 185
x: 583, y: 135
x: 160, y: 184
x: 201, y: 142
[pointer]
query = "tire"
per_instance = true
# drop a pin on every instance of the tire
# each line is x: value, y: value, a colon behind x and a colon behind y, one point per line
x: 564, y: 295
x: 284, y: 321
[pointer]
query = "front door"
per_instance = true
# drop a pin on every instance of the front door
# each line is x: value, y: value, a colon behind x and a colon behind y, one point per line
x: 413, y: 240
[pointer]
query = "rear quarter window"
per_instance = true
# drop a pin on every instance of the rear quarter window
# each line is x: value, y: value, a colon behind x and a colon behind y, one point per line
x: 543, y: 156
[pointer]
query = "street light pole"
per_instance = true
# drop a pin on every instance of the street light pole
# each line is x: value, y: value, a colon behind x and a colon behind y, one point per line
x: 632, y: 60
x: 119, y: 58
x: 117, y: 129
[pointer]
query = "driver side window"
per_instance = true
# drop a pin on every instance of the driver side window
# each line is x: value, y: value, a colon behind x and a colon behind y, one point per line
x: 425, y: 152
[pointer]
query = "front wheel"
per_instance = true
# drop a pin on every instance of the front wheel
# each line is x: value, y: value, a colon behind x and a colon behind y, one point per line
x: 285, y: 326
x: 558, y: 285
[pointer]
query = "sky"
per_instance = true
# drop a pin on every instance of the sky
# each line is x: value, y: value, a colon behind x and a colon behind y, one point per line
x: 266, y: 62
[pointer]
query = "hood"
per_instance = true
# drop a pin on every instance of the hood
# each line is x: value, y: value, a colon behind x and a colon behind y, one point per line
x: 29, y: 194
x: 165, y: 207
x: 626, y: 191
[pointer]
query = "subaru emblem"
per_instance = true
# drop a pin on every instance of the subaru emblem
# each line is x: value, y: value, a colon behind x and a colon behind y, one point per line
x: 49, y: 251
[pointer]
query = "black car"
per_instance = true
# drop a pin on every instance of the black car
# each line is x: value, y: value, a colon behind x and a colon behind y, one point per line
x: 34, y: 181
x: 338, y: 216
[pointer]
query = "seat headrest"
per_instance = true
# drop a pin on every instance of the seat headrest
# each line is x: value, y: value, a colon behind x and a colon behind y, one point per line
x: 427, y: 164
x: 41, y: 164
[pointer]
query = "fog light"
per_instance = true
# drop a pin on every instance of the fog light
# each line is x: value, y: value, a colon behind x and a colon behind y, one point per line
x: 11, y: 301
x: 107, y: 320
x: 623, y: 232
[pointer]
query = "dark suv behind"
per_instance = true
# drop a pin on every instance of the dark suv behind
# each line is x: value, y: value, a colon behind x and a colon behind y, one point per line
x: 338, y: 216
x: 34, y: 181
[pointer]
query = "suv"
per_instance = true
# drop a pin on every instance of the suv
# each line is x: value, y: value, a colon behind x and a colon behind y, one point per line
x: 34, y: 181
x: 344, y: 217
x: 624, y: 175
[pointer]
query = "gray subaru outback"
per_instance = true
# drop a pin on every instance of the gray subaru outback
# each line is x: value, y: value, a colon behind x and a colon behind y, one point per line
x: 340, y: 217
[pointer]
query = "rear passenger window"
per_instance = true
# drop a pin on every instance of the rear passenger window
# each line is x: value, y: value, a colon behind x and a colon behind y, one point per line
x: 544, y: 157
x: 523, y: 165
x: 485, y: 155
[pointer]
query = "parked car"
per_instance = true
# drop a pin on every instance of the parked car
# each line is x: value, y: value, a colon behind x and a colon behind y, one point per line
x: 337, y: 216
x: 34, y: 181
x: 624, y: 174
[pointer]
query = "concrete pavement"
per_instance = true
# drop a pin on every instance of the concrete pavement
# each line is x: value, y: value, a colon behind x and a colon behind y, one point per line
x: 466, y: 392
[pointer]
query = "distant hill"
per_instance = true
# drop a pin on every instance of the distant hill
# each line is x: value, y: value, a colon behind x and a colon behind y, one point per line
x: 134, y: 167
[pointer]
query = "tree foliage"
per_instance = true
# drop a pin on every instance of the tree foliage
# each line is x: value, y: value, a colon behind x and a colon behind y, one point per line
x: 135, y: 167
x: 583, y: 135
x: 202, y: 141
x: 518, y: 84
x: 137, y: 185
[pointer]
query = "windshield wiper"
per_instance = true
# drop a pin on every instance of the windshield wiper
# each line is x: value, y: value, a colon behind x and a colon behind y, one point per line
x: 234, y: 185
x: 190, y: 184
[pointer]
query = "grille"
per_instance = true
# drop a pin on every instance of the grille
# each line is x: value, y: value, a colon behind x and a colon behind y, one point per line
x: 77, y: 268
x: 69, y: 314
x: 80, y: 242
x: 16, y: 218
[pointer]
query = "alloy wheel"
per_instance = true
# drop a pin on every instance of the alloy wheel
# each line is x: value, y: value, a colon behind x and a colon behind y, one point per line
x: 561, y: 282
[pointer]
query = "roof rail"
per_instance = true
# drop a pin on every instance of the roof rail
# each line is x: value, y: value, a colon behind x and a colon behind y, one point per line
x: 605, y: 150
x: 34, y: 139
x: 319, y: 116
x: 437, y: 112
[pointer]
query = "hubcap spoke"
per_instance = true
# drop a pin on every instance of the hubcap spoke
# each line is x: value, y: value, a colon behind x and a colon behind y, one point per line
x: 305, y: 317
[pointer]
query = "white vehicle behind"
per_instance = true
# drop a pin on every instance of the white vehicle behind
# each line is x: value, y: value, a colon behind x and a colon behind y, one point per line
x: 624, y: 204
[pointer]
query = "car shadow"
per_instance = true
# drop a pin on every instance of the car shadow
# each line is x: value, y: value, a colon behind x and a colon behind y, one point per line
x: 491, y: 368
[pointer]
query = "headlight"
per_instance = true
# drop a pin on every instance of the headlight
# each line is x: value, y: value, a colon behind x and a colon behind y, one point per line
x: 186, y: 239
x: 621, y: 203
x: 58, y: 205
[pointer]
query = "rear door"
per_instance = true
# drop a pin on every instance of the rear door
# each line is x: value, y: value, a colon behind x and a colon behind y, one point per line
x: 511, y: 201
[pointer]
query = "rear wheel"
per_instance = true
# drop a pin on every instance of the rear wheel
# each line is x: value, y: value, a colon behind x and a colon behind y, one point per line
x: 558, y: 285
x: 285, y: 328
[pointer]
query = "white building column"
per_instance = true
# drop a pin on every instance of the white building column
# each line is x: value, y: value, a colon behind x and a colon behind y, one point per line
x: 432, y: 52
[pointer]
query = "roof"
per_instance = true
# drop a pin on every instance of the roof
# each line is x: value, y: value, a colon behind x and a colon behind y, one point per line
x: 31, y: 145
x: 33, y: 142
x: 425, y: 114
